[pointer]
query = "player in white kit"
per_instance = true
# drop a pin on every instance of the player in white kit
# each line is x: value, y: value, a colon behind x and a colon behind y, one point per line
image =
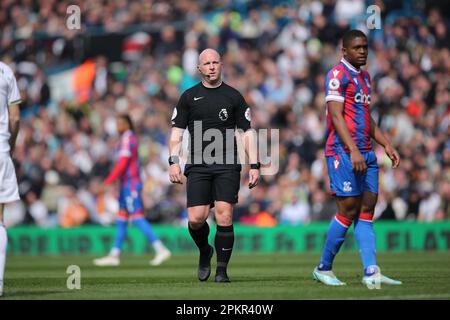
x: 9, y: 128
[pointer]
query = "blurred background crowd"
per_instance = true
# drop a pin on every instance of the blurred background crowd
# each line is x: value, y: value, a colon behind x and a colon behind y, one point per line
x: 139, y: 56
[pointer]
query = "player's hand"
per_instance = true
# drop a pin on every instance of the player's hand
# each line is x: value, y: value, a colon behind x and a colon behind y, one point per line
x: 358, y: 163
x: 253, y: 178
x: 393, y: 155
x: 175, y: 173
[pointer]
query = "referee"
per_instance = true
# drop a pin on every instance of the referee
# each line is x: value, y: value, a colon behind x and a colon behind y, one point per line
x: 211, y: 110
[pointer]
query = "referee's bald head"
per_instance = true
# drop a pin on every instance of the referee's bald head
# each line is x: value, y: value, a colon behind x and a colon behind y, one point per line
x: 208, y: 53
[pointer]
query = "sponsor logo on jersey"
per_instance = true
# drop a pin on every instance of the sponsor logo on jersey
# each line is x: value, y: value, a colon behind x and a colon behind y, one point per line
x: 336, y: 163
x: 361, y: 97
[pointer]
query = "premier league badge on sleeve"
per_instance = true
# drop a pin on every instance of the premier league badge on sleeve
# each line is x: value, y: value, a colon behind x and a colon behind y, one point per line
x: 247, y: 114
x: 334, y: 84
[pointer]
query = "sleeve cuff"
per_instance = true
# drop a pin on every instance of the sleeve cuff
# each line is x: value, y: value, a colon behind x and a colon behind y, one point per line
x: 15, y: 102
x: 334, y: 98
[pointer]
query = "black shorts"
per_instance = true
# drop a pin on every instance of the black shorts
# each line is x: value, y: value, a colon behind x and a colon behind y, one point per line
x: 206, y: 184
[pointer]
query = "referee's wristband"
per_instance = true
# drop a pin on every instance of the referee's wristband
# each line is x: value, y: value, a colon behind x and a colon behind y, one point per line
x: 255, y: 165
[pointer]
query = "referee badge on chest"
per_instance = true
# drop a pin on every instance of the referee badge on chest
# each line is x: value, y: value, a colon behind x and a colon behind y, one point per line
x: 223, y: 114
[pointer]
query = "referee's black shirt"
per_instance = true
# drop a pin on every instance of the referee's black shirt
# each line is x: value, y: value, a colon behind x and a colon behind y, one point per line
x: 222, y: 108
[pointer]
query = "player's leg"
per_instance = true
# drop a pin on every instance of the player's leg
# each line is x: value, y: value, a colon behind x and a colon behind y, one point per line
x: 9, y: 193
x: 198, y: 187
x: 364, y: 233
x: 348, y: 208
x: 135, y: 208
x: 3, y: 245
x: 346, y: 185
x: 225, y: 191
x: 161, y: 252
x: 113, y: 257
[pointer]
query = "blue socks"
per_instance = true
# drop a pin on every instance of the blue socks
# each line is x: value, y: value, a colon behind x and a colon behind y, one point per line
x: 145, y: 227
x: 365, y: 237
x: 121, y: 233
x: 335, y: 237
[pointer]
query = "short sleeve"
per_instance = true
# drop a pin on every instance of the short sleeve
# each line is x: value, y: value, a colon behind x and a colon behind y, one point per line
x: 13, y: 90
x: 242, y: 114
x: 125, y: 147
x: 180, y: 113
x: 335, y: 85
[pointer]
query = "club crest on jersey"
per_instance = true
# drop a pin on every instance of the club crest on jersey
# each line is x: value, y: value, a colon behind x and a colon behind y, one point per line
x: 223, y: 114
x: 347, y: 186
x: 247, y: 114
x: 334, y: 84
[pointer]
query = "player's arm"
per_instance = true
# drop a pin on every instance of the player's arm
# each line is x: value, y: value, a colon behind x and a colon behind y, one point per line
x: 175, y: 142
x: 14, y: 101
x: 14, y: 124
x: 381, y: 139
x: 118, y: 170
x: 335, y: 110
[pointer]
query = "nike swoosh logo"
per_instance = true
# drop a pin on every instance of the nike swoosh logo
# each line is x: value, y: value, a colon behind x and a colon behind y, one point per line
x: 223, y: 249
x: 198, y: 98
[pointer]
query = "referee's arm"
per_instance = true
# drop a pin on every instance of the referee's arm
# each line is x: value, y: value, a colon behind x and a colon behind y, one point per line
x: 250, y: 147
x: 243, y: 119
x: 176, y: 137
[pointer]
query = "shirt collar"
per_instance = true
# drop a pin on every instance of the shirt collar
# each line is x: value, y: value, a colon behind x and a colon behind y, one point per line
x: 349, y: 65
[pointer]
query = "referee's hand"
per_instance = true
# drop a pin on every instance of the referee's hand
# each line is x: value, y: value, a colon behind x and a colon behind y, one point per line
x: 253, y: 178
x: 175, y: 173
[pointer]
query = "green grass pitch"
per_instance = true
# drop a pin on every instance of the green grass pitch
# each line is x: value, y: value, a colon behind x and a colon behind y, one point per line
x: 425, y: 275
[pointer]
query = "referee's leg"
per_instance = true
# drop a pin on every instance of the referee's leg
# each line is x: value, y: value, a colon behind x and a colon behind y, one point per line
x: 224, y: 239
x: 199, y: 231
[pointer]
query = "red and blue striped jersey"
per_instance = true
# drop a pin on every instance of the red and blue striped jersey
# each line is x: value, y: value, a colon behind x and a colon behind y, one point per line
x: 128, y: 147
x: 344, y: 83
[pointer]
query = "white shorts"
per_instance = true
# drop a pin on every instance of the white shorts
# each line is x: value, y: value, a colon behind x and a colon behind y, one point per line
x: 9, y: 190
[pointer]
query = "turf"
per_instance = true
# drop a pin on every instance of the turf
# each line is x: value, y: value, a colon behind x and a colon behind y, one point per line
x: 257, y: 277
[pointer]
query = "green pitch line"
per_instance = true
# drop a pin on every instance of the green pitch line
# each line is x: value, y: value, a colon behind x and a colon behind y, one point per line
x: 259, y: 277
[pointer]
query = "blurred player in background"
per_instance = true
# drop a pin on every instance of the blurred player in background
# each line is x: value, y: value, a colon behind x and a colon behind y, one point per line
x: 351, y: 161
x: 130, y: 201
x: 9, y: 128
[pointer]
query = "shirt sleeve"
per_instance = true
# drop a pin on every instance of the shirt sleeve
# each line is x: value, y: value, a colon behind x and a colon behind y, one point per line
x: 335, y: 85
x: 13, y: 91
x: 125, y: 147
x: 242, y: 114
x: 180, y: 113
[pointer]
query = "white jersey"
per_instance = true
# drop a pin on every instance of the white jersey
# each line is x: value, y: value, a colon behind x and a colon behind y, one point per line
x: 9, y: 94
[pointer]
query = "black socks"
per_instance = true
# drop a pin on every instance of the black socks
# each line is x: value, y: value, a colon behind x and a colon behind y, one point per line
x: 224, y: 246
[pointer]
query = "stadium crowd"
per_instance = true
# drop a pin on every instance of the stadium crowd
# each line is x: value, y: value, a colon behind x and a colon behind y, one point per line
x: 275, y: 54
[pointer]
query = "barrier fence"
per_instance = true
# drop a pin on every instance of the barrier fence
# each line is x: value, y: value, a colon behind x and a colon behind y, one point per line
x: 391, y: 236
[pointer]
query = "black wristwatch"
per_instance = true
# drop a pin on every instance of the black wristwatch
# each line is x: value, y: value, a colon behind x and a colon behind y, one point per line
x: 255, y: 165
x: 174, y: 160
